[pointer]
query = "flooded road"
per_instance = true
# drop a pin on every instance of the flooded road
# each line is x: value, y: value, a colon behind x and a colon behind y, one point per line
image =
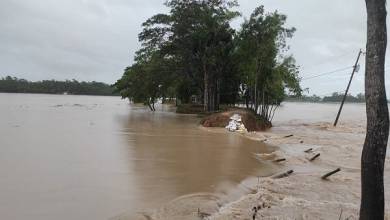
x: 84, y: 157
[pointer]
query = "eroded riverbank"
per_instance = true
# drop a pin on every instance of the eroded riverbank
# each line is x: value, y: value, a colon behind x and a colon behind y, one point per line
x: 303, y: 195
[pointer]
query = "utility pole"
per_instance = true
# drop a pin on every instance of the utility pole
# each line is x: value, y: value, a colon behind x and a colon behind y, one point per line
x: 349, y: 85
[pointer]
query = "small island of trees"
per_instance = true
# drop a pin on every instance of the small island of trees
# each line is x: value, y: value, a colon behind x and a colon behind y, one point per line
x: 192, y: 54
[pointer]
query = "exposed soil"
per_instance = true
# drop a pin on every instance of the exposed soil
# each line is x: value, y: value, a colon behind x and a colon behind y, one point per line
x: 250, y: 120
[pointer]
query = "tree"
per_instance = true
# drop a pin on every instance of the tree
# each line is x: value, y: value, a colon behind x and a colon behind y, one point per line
x: 147, y: 80
x: 374, y: 150
x: 193, y: 50
x: 267, y: 76
x: 197, y: 34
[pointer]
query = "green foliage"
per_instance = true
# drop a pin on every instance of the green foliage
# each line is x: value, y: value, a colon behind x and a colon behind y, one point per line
x: 335, y: 97
x: 304, y: 98
x: 147, y: 80
x: 197, y: 40
x: 14, y: 85
x: 193, y: 50
x: 338, y: 97
x: 267, y: 76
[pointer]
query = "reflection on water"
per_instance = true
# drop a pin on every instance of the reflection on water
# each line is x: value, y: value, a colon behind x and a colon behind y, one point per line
x: 82, y: 157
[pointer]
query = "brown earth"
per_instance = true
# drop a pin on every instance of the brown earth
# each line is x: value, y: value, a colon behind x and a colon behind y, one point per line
x: 249, y: 119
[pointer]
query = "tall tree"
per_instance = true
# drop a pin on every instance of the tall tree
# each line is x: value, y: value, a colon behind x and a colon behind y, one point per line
x: 199, y: 37
x: 267, y: 75
x: 193, y: 50
x: 374, y: 150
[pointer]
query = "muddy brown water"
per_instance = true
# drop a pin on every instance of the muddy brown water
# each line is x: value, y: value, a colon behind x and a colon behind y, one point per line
x: 85, y: 157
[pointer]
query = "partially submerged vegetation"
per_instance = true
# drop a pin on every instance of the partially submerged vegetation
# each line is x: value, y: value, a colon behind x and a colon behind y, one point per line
x: 194, y: 56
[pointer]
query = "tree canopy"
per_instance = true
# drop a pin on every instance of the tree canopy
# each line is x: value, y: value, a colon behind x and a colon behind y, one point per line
x: 193, y: 51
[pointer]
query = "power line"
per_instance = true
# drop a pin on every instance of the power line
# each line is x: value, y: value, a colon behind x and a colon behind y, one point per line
x: 334, y: 71
x: 327, y: 73
x: 331, y: 59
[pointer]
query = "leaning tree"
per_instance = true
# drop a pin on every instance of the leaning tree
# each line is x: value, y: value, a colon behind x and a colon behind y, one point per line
x: 374, y: 150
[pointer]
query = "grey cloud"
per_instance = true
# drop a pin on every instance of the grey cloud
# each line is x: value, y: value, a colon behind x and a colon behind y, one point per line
x: 96, y: 39
x: 86, y: 40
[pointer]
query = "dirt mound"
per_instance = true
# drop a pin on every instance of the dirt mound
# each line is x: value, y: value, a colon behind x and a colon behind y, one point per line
x: 250, y: 120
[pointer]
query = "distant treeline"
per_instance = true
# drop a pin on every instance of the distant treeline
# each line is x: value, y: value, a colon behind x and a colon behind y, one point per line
x: 14, y: 85
x: 335, y: 97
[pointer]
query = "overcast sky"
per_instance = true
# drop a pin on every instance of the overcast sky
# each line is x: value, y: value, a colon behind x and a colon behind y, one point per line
x: 96, y: 39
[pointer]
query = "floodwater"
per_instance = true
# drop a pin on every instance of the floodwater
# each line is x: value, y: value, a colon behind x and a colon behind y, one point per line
x: 85, y: 157
x: 300, y: 113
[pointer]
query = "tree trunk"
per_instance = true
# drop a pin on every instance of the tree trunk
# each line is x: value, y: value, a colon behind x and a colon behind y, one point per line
x: 150, y: 106
x: 247, y: 98
x: 256, y: 96
x: 211, y: 103
x: 374, y: 151
x: 217, y: 94
x: 206, y: 94
x: 257, y: 104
